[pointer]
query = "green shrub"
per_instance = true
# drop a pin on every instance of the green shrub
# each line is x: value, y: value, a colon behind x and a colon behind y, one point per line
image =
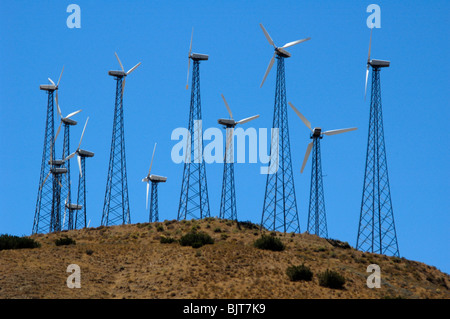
x: 64, y: 241
x: 15, y: 242
x: 297, y: 273
x: 217, y: 230
x: 269, y: 243
x: 159, y: 227
x: 331, y: 279
x: 196, y: 239
x: 167, y: 240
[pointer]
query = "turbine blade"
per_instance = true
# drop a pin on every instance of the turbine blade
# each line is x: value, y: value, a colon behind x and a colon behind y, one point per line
x: 300, y: 115
x: 82, y: 134
x: 45, y: 179
x: 334, y: 132
x: 79, y: 165
x: 151, y: 163
x: 228, y: 107
x: 73, y: 113
x: 370, y: 45
x: 267, y: 35
x: 146, y: 198
x: 121, y: 66
x: 367, y: 76
x: 248, y: 119
x: 51, y: 81
x: 308, y: 150
x: 57, y: 132
x: 70, y: 156
x: 287, y: 45
x: 57, y: 105
x: 59, y: 80
x: 133, y: 68
x: 123, y: 86
x: 190, y: 45
x: 189, y: 67
x: 268, y: 69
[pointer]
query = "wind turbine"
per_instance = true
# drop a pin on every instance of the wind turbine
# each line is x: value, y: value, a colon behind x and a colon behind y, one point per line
x: 155, y: 180
x: 376, y: 230
x: 44, y: 202
x: 280, y: 51
x: 317, y: 222
x: 66, y: 191
x: 280, y: 203
x: 228, y: 200
x: 116, y: 208
x: 80, y: 207
x: 194, y: 201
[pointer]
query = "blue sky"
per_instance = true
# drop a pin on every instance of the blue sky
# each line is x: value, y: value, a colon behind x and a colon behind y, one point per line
x: 324, y: 79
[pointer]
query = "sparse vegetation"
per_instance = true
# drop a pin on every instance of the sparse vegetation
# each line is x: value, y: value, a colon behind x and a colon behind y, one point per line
x: 196, y: 239
x: 167, y: 240
x: 331, y: 279
x: 16, y: 242
x: 64, y: 241
x: 269, y: 243
x: 298, y: 273
x: 89, y: 252
x: 160, y: 228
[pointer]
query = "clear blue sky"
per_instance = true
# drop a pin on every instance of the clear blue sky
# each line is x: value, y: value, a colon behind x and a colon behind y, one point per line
x: 324, y: 78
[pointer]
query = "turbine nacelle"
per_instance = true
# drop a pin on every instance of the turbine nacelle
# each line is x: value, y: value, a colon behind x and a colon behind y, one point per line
x: 227, y: 122
x: 379, y: 63
x: 283, y: 53
x: 48, y: 87
x: 84, y: 153
x: 316, y: 132
x: 199, y: 57
x: 119, y: 74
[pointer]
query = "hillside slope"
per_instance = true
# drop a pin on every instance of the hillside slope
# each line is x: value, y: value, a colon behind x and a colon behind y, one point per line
x: 130, y: 262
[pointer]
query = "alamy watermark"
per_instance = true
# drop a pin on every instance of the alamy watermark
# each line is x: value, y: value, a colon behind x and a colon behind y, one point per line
x: 374, y: 20
x: 190, y: 149
x: 74, y: 280
x: 374, y: 280
x: 74, y: 19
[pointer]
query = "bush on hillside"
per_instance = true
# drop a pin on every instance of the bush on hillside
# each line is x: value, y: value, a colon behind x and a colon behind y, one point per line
x: 297, y: 273
x: 196, y: 239
x: 331, y: 279
x: 269, y: 243
x: 15, y: 242
x: 64, y: 241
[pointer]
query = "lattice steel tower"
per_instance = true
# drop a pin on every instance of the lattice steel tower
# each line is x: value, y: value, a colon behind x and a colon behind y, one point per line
x: 81, y: 208
x: 194, y: 201
x: 280, y: 204
x: 317, y: 219
x: 155, y: 180
x: 376, y: 231
x: 116, y: 208
x: 44, y: 203
x: 228, y: 199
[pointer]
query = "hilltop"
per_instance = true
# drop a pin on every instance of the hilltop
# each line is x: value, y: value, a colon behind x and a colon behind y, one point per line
x: 130, y: 261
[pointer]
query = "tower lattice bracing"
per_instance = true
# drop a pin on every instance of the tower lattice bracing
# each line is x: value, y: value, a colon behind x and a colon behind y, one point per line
x: 194, y: 202
x: 80, y: 217
x: 44, y: 203
x: 317, y: 220
x: 66, y: 196
x: 376, y: 232
x: 280, y: 204
x: 153, y: 215
x: 55, y: 220
x: 228, y: 198
x: 116, y: 209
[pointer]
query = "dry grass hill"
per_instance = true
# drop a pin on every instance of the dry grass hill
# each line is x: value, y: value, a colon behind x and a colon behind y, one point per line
x: 131, y: 262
